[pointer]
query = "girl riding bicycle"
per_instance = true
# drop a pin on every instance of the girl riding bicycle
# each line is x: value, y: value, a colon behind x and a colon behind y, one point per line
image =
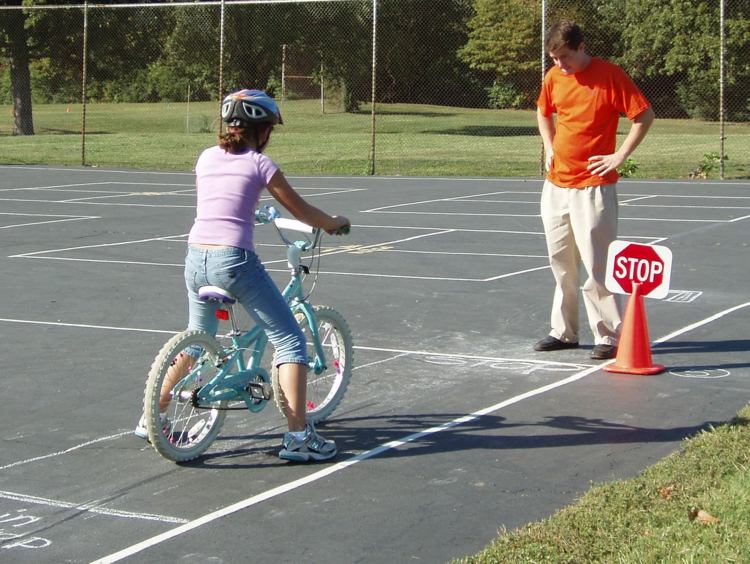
x: 229, y: 180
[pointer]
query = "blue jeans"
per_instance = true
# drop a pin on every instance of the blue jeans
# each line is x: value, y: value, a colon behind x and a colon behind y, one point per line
x: 241, y: 273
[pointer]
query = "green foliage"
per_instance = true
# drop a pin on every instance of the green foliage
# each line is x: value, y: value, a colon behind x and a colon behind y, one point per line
x: 468, y: 53
x: 710, y: 163
x: 673, y: 48
x: 5, y: 96
x: 503, y: 42
x: 628, y: 168
x: 503, y: 38
x: 503, y: 95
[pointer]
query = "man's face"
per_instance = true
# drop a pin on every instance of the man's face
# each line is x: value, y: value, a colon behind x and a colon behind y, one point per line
x: 570, y: 61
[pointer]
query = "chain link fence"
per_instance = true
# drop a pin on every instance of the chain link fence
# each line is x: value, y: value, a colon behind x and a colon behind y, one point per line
x: 392, y: 87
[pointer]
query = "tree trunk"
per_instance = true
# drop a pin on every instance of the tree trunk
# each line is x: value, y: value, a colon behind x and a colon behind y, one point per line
x: 20, y: 77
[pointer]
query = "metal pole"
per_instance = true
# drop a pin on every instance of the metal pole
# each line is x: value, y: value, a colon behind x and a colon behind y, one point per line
x: 542, y: 168
x: 187, y: 112
x: 322, y: 92
x: 374, y: 75
x: 722, y: 56
x: 221, y: 64
x: 283, y: 73
x: 83, y: 81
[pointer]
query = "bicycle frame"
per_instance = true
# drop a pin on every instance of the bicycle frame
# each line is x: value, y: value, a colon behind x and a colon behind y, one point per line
x: 242, y: 383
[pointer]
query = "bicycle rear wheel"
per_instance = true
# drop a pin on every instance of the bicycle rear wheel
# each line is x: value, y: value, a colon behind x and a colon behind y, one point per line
x: 181, y: 431
x: 324, y: 390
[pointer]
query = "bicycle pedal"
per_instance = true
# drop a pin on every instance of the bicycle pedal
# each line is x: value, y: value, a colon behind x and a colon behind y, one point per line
x: 260, y: 391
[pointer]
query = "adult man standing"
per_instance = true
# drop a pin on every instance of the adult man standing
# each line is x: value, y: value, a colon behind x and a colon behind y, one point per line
x: 579, y: 198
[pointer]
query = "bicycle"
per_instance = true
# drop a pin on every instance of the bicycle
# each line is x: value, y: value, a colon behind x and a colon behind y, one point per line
x: 210, y: 376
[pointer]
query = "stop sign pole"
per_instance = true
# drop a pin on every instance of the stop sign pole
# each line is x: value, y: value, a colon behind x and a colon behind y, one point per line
x: 638, y: 270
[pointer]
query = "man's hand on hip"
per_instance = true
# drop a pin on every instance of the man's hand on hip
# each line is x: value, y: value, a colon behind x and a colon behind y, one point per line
x: 601, y: 165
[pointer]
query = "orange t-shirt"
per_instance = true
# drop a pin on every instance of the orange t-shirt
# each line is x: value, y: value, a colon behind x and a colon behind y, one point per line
x: 588, y: 105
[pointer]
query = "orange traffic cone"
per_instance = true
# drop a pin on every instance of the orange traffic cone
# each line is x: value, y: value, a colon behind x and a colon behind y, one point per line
x: 634, y: 349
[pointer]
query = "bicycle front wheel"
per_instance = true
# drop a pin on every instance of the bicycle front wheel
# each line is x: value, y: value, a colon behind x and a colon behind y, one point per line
x: 178, y: 427
x: 324, y: 390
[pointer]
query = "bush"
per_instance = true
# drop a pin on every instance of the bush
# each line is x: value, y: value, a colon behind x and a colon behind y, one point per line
x: 698, y: 95
x: 503, y: 95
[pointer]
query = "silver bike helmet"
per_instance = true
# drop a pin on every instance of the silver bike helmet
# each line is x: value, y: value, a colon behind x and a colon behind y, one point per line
x: 246, y: 107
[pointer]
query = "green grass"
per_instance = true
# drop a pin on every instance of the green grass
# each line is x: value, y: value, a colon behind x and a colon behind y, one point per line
x: 646, y: 519
x: 411, y: 140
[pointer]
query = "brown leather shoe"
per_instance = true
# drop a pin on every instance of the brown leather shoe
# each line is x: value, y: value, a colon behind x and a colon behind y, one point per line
x: 550, y: 343
x: 603, y: 352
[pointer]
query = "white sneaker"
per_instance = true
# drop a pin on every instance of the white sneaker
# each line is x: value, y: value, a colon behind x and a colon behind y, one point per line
x: 142, y: 433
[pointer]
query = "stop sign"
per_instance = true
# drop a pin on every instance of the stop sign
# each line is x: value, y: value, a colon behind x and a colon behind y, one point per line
x: 649, y: 265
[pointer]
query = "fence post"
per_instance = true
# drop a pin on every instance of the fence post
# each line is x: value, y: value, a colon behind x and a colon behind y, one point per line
x: 221, y: 65
x: 374, y: 74
x: 83, y: 80
x: 544, y: 54
x: 283, y: 73
x: 322, y: 91
x: 722, y: 56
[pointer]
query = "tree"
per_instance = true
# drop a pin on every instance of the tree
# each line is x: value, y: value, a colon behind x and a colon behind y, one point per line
x: 13, y: 44
x: 504, y: 42
x: 418, y: 44
x: 674, y: 48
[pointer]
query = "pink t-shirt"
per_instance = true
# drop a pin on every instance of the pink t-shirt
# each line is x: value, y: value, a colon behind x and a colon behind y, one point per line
x: 229, y: 188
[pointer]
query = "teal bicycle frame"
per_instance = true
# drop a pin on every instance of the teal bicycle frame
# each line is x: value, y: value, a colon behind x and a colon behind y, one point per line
x: 241, y: 380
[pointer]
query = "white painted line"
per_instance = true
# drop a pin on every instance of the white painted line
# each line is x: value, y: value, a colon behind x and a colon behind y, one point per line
x: 288, y: 487
x: 432, y: 201
x: 472, y: 214
x: 53, y: 186
x: 471, y: 356
x: 701, y: 207
x: 453, y: 254
x: 84, y: 326
x: 69, y: 259
x: 390, y: 358
x: 456, y: 229
x: 632, y: 198
x: 43, y: 222
x: 51, y: 215
x: 62, y: 218
x: 109, y: 196
x: 697, y: 324
x: 89, y: 507
x: 176, y: 206
x: 285, y: 488
x: 531, y: 180
x: 517, y: 273
x: 66, y: 451
x: 100, y: 245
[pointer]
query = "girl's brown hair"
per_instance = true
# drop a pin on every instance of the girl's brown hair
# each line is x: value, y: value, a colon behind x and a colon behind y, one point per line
x: 239, y: 139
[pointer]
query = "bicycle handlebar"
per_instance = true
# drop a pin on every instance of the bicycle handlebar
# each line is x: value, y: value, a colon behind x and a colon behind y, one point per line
x: 293, y: 224
x: 268, y: 214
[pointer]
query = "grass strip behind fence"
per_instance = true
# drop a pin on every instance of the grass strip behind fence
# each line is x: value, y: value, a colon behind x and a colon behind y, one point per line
x: 411, y: 140
x: 693, y: 506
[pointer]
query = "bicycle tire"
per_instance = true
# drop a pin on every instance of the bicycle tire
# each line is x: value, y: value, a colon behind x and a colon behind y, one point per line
x: 189, y: 430
x: 324, y: 391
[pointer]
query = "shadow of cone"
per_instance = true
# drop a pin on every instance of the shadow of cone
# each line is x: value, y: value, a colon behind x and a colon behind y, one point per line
x: 634, y: 349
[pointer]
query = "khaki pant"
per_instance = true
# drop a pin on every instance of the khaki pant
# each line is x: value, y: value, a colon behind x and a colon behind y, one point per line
x: 579, y: 225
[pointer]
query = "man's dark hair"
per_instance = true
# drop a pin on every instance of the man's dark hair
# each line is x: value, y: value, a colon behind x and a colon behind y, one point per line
x: 564, y: 33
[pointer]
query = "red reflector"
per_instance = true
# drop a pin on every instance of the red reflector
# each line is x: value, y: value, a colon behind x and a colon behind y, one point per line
x: 222, y: 314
